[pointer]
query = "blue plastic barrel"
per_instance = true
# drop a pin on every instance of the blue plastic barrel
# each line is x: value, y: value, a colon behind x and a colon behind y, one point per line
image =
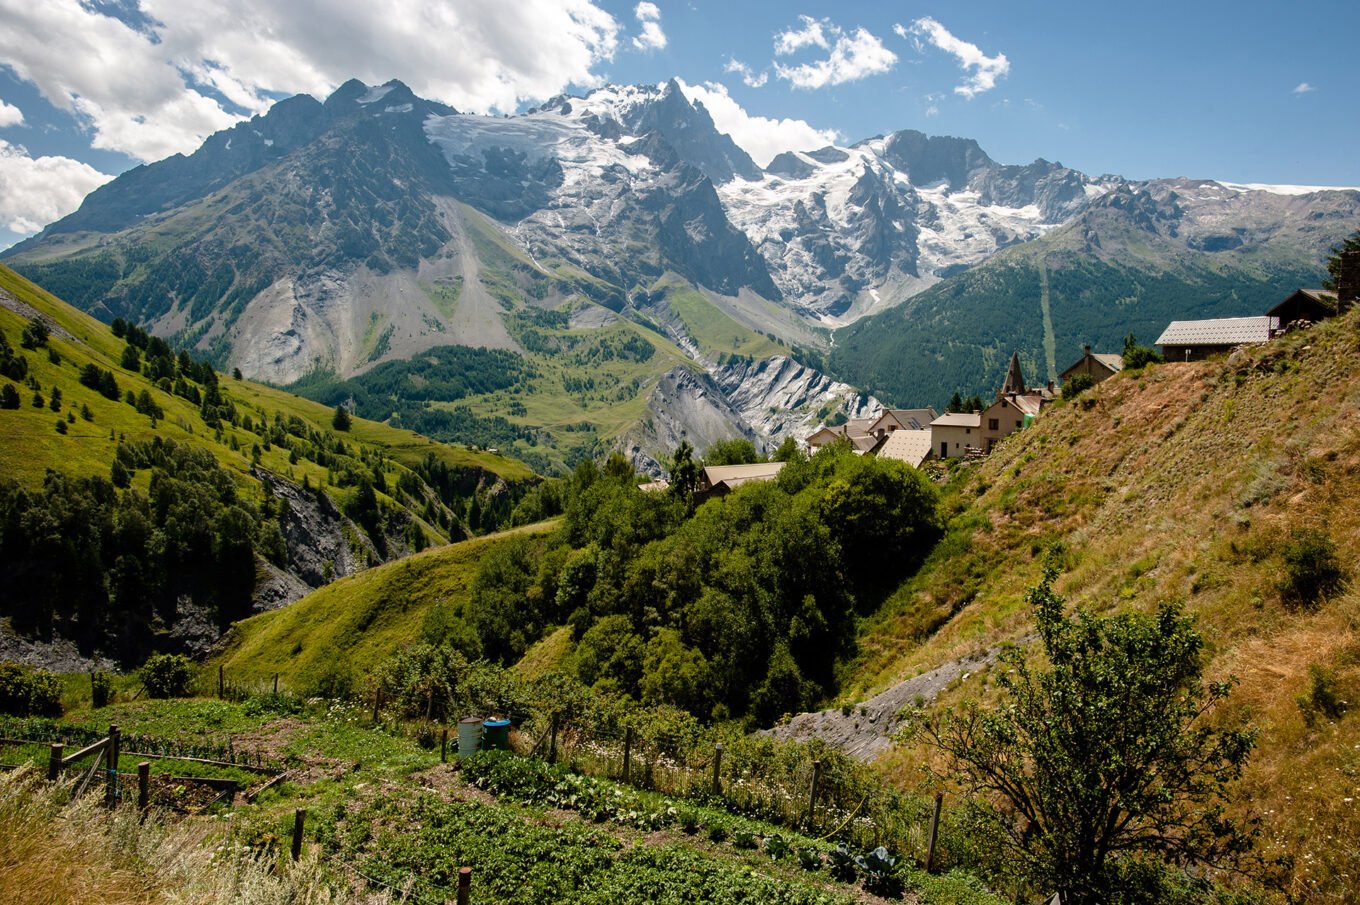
x: 496, y: 736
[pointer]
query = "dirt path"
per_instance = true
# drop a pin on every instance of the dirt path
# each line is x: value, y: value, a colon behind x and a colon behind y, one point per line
x: 866, y: 731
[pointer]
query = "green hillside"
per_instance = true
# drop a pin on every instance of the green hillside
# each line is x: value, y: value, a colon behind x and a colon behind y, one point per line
x: 370, y: 616
x: 228, y: 483
x: 1219, y: 485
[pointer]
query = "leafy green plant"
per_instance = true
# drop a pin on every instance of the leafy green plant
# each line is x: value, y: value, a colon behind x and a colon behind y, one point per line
x: 717, y: 831
x: 743, y: 838
x: 777, y: 847
x: 841, y: 864
x: 809, y: 857
x: 688, y: 821
x: 167, y: 675
x: 880, y: 875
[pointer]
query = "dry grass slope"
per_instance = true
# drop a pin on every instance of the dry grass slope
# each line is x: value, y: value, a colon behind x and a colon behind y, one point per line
x: 1182, y: 482
x: 57, y: 852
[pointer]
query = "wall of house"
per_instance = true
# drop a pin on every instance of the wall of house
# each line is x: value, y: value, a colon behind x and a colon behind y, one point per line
x: 1193, y: 353
x: 1091, y: 368
x: 957, y: 438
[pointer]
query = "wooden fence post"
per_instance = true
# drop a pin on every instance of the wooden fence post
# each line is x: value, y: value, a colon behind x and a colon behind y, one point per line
x: 299, y: 818
x: 934, y: 830
x: 54, y: 764
x: 552, y: 741
x: 276, y: 685
x: 444, y: 746
x: 812, y: 792
x: 627, y: 753
x: 464, y: 885
x: 111, y: 775
x: 717, y: 765
x: 221, y: 681
x: 144, y: 786
x: 377, y: 702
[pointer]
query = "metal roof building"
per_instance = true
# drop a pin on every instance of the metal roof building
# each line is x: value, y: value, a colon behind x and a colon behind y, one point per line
x: 1194, y: 340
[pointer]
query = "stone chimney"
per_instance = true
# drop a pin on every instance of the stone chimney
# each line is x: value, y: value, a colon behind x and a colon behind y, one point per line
x: 1348, y: 280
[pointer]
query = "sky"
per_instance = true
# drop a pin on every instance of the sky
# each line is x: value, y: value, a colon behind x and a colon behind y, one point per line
x: 1248, y: 91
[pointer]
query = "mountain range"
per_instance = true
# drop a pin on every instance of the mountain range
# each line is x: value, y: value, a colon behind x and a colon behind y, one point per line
x: 654, y: 282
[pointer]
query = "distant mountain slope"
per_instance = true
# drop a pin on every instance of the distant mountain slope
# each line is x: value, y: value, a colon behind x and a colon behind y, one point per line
x: 1138, y: 258
x: 318, y: 503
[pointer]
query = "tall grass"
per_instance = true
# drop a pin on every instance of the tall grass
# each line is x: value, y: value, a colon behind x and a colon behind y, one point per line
x: 57, y: 851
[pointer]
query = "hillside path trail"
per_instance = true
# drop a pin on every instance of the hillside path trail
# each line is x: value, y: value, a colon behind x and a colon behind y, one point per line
x: 866, y: 731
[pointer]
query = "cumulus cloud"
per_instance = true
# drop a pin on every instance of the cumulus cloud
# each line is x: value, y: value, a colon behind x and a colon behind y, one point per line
x: 761, y: 137
x: 195, y: 66
x: 852, y: 55
x: 795, y: 39
x: 985, y: 70
x: 748, y: 75
x: 651, y: 37
x: 1304, y: 88
x: 36, y: 191
x: 10, y: 115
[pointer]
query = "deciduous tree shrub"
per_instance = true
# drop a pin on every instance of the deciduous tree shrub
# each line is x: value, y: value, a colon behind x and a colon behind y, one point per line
x: 1100, y: 766
x: 28, y: 692
x: 167, y: 675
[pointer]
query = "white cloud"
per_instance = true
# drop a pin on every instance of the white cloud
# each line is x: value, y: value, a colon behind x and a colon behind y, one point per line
x: 10, y: 115
x: 748, y: 75
x: 36, y: 191
x: 1304, y: 88
x: 761, y: 137
x: 150, y: 92
x: 651, y: 37
x: 810, y: 35
x: 986, y: 70
x: 853, y: 55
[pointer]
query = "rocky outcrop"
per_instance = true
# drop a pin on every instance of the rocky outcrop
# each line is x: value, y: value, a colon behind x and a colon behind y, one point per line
x: 323, y: 544
x: 685, y: 405
x: 778, y: 397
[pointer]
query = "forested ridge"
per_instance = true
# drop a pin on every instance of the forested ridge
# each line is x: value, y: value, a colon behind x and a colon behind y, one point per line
x: 741, y: 607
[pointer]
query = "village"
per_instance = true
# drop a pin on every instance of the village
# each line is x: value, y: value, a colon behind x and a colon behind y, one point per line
x: 919, y: 435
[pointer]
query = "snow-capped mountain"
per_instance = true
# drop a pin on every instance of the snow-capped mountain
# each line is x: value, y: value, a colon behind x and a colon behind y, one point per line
x: 330, y: 238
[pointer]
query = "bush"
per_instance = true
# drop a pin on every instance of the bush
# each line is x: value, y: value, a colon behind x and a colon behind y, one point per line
x: 25, y: 692
x: 1076, y: 385
x: 101, y: 688
x: 1323, y: 698
x: 1311, y: 568
x: 167, y: 675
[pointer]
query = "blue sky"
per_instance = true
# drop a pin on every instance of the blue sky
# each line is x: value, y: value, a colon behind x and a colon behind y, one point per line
x: 1249, y: 92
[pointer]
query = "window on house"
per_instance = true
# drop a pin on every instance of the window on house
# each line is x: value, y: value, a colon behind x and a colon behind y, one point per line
x: 1017, y: 424
x: 993, y: 424
x: 967, y: 430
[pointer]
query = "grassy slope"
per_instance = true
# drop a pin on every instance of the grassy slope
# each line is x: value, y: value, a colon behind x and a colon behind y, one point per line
x: 550, y: 401
x: 29, y: 444
x: 716, y: 332
x: 351, y: 625
x: 1178, y: 483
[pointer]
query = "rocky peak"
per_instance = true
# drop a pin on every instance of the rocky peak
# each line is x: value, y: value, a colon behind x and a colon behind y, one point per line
x: 928, y: 159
